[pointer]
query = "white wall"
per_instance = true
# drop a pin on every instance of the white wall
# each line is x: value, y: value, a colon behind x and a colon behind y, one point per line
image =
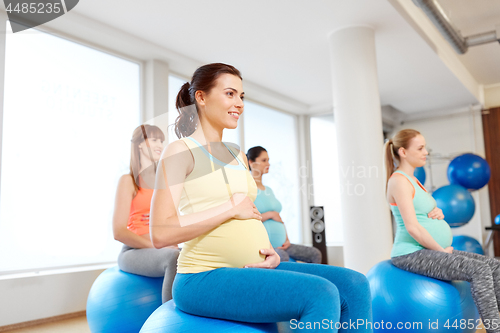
x: 46, y: 295
x: 452, y: 135
x: 492, y: 96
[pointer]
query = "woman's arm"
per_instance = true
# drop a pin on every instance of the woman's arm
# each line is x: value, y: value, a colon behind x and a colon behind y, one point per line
x: 123, y: 200
x: 271, y: 215
x: 167, y: 226
x: 402, y: 192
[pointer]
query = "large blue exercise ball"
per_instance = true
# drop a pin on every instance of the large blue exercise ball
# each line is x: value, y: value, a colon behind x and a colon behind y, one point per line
x: 467, y: 244
x: 169, y: 319
x: 456, y: 203
x: 470, y: 171
x: 403, y: 298
x: 497, y: 219
x: 276, y: 232
x: 419, y: 173
x: 121, y: 302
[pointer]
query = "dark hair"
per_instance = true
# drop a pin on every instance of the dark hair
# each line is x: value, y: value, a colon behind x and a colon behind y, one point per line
x: 391, y: 149
x: 253, y: 153
x: 203, y: 79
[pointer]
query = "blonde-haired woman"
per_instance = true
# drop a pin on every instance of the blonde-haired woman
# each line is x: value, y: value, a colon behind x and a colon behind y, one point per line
x: 131, y: 214
x: 423, y: 239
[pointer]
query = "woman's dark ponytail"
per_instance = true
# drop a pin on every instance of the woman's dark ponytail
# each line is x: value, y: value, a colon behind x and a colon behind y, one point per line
x: 185, y: 124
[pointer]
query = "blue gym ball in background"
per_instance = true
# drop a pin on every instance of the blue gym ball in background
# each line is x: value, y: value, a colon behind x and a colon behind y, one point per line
x: 467, y: 244
x: 457, y: 204
x: 420, y: 174
x: 497, y: 219
x: 470, y: 171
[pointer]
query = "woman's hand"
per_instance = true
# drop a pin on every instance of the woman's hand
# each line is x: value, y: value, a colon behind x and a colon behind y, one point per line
x: 272, y: 260
x: 285, y: 245
x: 277, y: 217
x: 244, y: 208
x: 449, y: 249
x: 271, y: 215
x: 436, y: 213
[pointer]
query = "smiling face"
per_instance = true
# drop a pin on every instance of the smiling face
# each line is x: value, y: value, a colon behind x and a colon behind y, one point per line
x: 223, y: 105
x: 261, y: 164
x: 416, y: 153
x: 156, y: 146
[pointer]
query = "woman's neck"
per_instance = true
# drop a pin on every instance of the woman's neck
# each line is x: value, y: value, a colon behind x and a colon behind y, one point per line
x: 407, y: 168
x: 206, y: 133
x: 258, y: 180
x: 145, y: 163
x: 147, y: 175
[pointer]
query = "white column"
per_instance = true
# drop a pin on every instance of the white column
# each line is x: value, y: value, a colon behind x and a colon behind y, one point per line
x: 3, y: 37
x: 358, y: 121
x: 155, y: 94
x: 305, y: 176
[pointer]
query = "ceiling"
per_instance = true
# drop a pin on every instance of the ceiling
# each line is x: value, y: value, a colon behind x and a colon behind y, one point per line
x: 282, y: 45
x: 474, y: 17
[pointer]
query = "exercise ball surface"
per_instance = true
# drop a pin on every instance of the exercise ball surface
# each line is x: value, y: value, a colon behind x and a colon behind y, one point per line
x: 497, y: 219
x: 276, y: 232
x: 419, y: 173
x: 467, y: 244
x: 399, y: 296
x: 470, y: 171
x: 168, y: 318
x: 121, y: 302
x: 456, y: 203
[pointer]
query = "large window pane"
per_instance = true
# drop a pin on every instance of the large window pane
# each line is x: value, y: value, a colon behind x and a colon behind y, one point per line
x: 276, y: 132
x: 68, y: 118
x: 326, y: 175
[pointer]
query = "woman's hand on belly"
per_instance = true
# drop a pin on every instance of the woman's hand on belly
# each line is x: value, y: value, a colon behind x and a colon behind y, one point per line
x: 272, y: 260
x: 436, y: 213
x: 244, y: 208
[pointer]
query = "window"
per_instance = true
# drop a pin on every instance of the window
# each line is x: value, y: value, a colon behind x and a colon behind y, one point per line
x: 68, y: 118
x: 326, y: 175
x: 276, y: 132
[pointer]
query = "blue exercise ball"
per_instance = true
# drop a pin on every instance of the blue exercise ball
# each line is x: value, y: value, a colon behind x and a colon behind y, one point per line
x: 419, y: 173
x: 470, y: 171
x: 497, y: 219
x: 467, y: 244
x: 403, y: 298
x: 169, y: 319
x: 276, y: 232
x: 457, y: 204
x: 121, y: 302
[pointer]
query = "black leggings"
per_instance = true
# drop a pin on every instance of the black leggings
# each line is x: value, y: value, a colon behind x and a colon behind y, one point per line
x: 482, y: 272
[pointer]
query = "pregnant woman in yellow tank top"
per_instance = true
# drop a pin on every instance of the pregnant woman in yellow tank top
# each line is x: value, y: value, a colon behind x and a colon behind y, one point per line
x: 204, y: 197
x: 423, y: 239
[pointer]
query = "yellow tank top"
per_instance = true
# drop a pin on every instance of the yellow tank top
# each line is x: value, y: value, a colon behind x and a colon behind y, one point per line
x: 234, y: 243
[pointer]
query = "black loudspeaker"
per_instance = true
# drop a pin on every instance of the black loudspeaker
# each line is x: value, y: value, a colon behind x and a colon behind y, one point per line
x: 317, y: 214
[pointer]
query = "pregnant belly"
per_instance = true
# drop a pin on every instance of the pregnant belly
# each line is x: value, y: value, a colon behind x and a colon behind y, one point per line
x: 235, y: 243
x: 276, y: 232
x: 439, y: 230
